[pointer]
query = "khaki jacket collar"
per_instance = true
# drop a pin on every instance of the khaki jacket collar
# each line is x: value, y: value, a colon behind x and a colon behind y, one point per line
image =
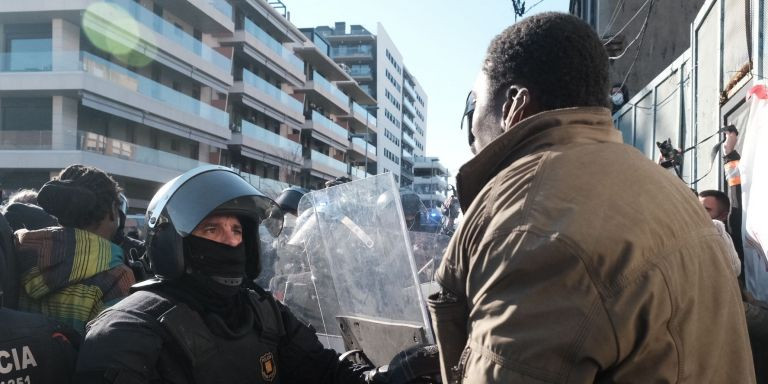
x: 556, y: 127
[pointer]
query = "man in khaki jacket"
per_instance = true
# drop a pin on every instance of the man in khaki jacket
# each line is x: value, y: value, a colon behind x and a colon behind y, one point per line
x: 579, y: 260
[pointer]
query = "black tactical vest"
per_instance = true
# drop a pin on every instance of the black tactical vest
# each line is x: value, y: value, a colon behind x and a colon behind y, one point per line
x: 206, y: 358
x: 34, y: 349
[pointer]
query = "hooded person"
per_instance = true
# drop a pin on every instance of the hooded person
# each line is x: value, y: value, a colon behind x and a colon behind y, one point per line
x: 73, y: 271
x: 198, y: 321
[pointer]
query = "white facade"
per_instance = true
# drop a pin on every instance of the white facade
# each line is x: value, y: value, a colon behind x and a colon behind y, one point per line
x: 389, y: 89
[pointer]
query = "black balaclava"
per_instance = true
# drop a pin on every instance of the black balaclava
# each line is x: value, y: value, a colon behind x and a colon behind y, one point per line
x: 213, y: 285
x: 221, y: 266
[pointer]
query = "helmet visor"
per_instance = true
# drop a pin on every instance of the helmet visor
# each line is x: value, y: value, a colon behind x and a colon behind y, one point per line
x: 188, y: 199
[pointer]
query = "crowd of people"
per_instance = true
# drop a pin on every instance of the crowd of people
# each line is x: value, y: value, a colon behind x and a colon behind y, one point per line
x: 578, y: 260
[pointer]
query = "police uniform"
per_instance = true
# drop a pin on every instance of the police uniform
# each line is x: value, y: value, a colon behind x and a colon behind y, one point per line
x: 34, y: 349
x: 153, y: 337
x: 196, y: 322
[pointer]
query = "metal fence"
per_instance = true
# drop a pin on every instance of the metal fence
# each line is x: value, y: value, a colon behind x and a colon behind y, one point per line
x: 683, y: 103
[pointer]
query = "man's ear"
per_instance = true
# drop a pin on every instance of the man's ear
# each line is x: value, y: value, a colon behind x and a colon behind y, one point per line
x: 513, y: 110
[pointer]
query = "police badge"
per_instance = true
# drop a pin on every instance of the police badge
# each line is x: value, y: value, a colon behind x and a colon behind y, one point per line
x: 268, y: 368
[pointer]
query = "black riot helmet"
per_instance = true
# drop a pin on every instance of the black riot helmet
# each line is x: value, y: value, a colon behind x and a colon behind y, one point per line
x: 289, y: 199
x: 182, y: 203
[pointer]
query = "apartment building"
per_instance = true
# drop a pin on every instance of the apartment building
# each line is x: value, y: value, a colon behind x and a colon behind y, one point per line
x: 375, y: 62
x: 149, y: 89
x: 430, y: 180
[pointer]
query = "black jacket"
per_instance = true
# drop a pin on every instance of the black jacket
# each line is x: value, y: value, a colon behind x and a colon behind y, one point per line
x: 135, y: 342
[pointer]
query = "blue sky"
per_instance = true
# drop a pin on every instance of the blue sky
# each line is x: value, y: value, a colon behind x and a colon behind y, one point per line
x: 442, y: 42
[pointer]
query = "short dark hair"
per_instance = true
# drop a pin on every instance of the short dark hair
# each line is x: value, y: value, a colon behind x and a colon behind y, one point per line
x: 556, y: 55
x: 80, y: 196
x: 723, y: 202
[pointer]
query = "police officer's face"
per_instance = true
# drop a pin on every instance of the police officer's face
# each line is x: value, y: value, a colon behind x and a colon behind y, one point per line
x: 225, y: 229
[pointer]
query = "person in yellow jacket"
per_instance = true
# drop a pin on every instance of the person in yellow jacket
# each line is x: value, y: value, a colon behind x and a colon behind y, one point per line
x: 578, y: 260
x: 73, y: 271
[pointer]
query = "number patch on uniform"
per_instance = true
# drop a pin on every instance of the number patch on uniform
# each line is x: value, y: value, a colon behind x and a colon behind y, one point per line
x: 18, y: 380
x: 268, y: 368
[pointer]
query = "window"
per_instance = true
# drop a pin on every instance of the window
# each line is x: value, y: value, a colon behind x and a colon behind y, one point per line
x: 392, y: 99
x: 27, y: 114
x: 391, y: 118
x: 392, y: 80
x: 391, y: 137
x: 28, y: 47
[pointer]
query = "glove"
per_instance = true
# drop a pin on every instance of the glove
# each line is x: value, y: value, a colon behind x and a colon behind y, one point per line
x: 418, y: 364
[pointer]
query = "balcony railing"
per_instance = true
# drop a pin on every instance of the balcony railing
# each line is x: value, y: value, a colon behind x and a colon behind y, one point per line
x: 273, y: 44
x: 328, y: 161
x: 106, y: 70
x: 223, y: 7
x: 409, y: 88
x: 267, y: 186
x: 408, y: 123
x: 93, y: 142
x: 326, y: 122
x: 270, y: 138
x: 25, y: 139
x: 364, y: 144
x: 359, y: 51
x: 271, y: 90
x: 360, y: 72
x: 357, y: 108
x: 409, y: 106
x: 174, y: 33
x: 410, y: 141
x: 336, y: 92
x: 359, y: 173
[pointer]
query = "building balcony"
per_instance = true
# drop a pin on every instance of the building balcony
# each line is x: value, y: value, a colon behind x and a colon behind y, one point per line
x: 436, y: 183
x: 114, y: 156
x: 160, y: 40
x: 109, y: 87
x: 209, y: 16
x: 93, y: 142
x: 356, y: 53
x: 408, y: 125
x: 326, y: 95
x: 269, y: 187
x: 328, y: 129
x: 36, y: 139
x: 360, y: 120
x: 263, y: 140
x: 361, y: 74
x: 407, y: 152
x: 265, y: 44
x: 263, y: 96
x: 325, y: 164
x: 410, y: 142
x: 409, y: 108
x: 358, y: 173
x: 410, y: 93
x: 364, y: 148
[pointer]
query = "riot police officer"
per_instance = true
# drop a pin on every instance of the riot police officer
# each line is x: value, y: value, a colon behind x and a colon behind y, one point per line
x: 195, y: 322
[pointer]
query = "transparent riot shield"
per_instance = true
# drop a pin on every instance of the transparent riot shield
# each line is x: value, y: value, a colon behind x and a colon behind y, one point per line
x: 358, y: 282
x: 428, y: 249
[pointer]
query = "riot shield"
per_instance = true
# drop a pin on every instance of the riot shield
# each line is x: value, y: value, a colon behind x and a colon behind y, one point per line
x: 358, y: 282
x: 428, y: 249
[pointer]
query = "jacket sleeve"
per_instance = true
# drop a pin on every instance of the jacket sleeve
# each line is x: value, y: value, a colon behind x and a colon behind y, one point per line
x: 303, y: 359
x: 119, y: 347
